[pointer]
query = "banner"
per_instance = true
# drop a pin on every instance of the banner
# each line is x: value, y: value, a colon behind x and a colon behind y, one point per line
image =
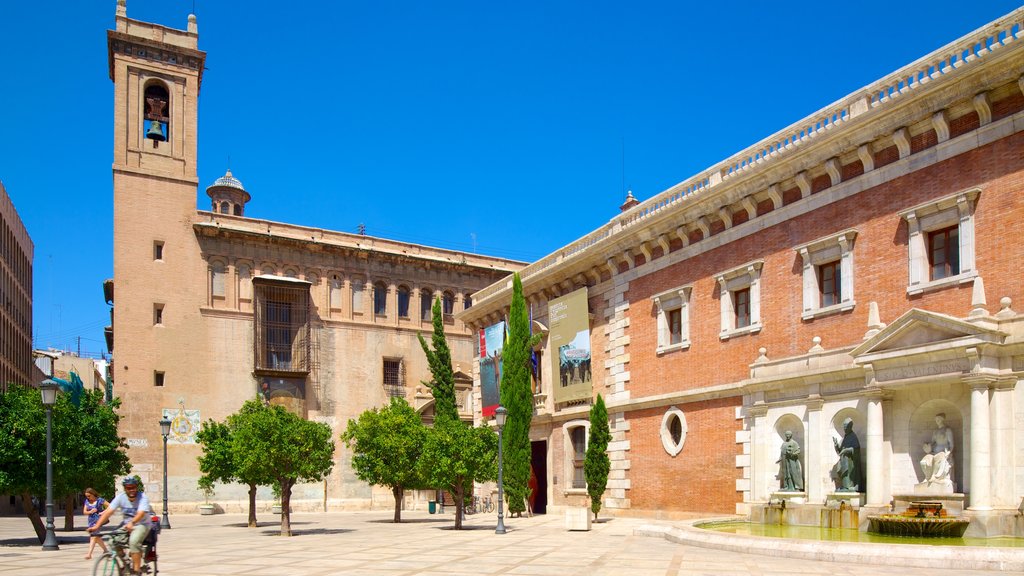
x: 569, y: 317
x: 492, y: 340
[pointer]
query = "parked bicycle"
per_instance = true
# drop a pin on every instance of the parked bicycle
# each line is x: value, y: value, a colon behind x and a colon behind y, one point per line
x: 115, y: 561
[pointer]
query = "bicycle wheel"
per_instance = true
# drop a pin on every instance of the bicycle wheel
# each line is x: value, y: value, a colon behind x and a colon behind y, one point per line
x: 110, y: 564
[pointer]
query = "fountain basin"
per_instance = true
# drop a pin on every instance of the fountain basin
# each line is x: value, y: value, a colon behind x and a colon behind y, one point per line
x: 935, y: 527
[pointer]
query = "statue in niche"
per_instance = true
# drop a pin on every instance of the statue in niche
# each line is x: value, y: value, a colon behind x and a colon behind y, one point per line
x: 791, y: 474
x: 937, y: 463
x: 849, y: 470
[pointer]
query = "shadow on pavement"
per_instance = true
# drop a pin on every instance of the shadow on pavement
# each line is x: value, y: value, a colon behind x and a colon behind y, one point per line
x: 261, y: 524
x: 32, y: 541
x: 412, y: 521
x: 310, y: 532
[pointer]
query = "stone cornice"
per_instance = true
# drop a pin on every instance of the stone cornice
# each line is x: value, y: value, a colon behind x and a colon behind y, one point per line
x: 145, y: 49
x: 211, y: 225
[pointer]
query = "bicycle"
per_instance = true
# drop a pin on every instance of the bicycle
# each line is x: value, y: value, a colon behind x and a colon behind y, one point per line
x: 116, y: 561
x: 487, y: 505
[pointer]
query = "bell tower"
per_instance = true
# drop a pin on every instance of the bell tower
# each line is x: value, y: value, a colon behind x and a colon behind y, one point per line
x: 159, y: 272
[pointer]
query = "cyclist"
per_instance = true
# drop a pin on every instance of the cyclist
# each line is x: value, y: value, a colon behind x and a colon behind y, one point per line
x: 136, y: 521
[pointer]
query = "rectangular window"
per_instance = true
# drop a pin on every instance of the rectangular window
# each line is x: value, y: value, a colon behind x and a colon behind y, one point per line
x: 281, y: 325
x: 158, y: 250
x: 158, y: 379
x: 830, y: 283
x: 218, y: 280
x: 944, y: 252
x: 675, y: 326
x: 741, y: 304
x: 426, y: 302
x: 394, y: 380
x: 403, y: 302
x: 158, y: 314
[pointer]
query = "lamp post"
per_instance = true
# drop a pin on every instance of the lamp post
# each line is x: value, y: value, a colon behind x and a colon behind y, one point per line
x: 499, y: 418
x: 48, y: 390
x: 165, y: 430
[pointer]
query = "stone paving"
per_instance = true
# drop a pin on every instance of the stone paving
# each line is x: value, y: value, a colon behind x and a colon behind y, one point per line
x: 368, y: 543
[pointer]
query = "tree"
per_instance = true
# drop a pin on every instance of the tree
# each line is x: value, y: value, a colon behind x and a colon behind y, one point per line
x: 517, y: 397
x: 222, y: 459
x: 92, y: 452
x: 386, y: 445
x: 456, y: 455
x: 597, y: 463
x: 86, y: 447
x: 442, y: 384
x: 275, y: 443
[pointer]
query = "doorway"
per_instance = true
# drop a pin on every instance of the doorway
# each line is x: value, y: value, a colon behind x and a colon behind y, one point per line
x: 539, y: 476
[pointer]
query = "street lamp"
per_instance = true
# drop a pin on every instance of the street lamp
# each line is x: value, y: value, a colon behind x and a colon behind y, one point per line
x: 48, y: 390
x: 165, y: 429
x: 499, y: 418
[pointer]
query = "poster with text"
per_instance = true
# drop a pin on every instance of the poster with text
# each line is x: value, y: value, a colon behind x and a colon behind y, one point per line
x: 570, y: 346
x: 492, y: 340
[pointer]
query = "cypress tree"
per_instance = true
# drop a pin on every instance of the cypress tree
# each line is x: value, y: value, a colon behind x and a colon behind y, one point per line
x: 597, y: 463
x: 442, y: 386
x: 517, y: 398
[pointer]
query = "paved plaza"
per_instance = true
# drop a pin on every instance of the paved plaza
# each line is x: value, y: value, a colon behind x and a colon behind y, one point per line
x: 425, y: 545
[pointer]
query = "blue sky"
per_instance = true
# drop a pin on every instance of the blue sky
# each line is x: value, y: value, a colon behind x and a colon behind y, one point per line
x: 506, y: 128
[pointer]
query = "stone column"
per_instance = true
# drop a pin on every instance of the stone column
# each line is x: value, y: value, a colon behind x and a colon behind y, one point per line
x: 1003, y: 445
x: 981, y: 469
x: 758, y: 457
x: 875, y: 456
x: 813, y: 474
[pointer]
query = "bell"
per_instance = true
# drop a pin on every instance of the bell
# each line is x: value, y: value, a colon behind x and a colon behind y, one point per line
x: 155, y: 132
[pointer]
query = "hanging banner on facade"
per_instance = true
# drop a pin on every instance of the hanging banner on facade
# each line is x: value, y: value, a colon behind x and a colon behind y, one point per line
x: 492, y: 340
x: 569, y: 317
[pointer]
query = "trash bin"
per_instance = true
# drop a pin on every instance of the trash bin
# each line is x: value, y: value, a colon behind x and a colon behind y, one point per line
x: 432, y: 507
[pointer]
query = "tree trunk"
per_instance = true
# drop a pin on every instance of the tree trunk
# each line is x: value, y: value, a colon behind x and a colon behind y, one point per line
x: 33, y: 515
x: 69, y: 513
x: 252, y: 505
x: 459, y: 495
x: 398, y: 492
x: 286, y: 499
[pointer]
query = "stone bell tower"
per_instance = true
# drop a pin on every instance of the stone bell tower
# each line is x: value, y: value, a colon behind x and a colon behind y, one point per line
x: 157, y: 72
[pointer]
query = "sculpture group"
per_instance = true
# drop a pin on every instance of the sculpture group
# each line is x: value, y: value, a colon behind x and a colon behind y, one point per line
x: 848, y: 471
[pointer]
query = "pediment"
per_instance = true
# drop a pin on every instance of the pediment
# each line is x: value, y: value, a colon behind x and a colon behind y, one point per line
x: 920, y: 329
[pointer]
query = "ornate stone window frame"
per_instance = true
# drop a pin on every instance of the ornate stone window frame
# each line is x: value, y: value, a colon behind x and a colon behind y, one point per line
x: 671, y: 446
x: 817, y: 253
x: 569, y: 451
x: 746, y: 276
x: 953, y: 210
x: 665, y: 303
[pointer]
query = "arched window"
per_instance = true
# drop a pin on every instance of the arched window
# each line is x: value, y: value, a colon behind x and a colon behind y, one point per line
x: 426, y: 302
x: 156, y: 120
x: 335, y: 292
x: 244, y: 282
x: 225, y: 208
x: 448, y: 303
x: 238, y: 209
x: 403, y: 301
x: 467, y: 302
x: 380, y: 298
x: 357, y: 296
x: 217, y: 276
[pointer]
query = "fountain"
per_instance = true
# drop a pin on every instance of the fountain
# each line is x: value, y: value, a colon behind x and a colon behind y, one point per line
x: 921, y: 519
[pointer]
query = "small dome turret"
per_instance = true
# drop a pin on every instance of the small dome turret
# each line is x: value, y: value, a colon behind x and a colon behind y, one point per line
x: 227, y: 195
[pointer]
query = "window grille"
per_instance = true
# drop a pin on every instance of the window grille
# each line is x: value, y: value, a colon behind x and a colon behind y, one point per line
x: 282, y: 326
x: 394, y: 377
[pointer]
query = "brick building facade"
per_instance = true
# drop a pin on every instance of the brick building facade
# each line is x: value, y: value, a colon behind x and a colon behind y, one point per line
x: 862, y: 263
x: 214, y: 307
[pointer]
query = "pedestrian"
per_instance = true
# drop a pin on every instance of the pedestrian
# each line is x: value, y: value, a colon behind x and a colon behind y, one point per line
x: 93, y: 506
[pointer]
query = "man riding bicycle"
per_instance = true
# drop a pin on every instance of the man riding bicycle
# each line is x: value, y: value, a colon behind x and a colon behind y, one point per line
x: 136, y: 521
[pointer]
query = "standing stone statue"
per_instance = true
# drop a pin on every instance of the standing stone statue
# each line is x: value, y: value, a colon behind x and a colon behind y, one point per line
x: 848, y: 471
x: 937, y: 463
x: 791, y: 474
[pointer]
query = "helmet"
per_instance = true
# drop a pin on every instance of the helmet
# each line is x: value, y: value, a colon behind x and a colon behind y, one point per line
x: 130, y: 481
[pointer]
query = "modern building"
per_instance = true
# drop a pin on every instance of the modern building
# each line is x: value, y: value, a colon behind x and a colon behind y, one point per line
x: 212, y: 307
x: 16, y: 251
x: 855, y: 272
